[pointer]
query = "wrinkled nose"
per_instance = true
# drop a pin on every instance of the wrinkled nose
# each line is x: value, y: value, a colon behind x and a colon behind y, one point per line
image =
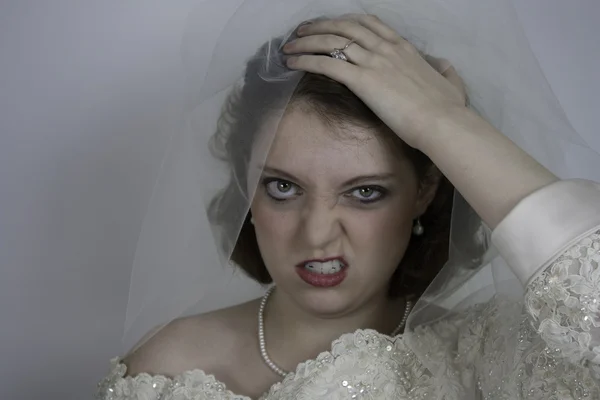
x: 320, y: 223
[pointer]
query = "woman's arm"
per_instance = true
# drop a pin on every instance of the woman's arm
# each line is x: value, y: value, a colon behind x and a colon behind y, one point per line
x: 552, y: 241
x: 491, y: 172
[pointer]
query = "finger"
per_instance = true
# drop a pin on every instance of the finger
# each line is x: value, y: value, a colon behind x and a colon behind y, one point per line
x: 452, y: 76
x: 325, y: 44
x: 338, y: 70
x: 445, y: 68
x: 350, y: 30
x: 377, y: 26
x: 441, y: 65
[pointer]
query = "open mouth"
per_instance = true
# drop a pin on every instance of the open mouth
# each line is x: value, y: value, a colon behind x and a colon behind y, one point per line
x: 325, y: 268
x: 323, y: 273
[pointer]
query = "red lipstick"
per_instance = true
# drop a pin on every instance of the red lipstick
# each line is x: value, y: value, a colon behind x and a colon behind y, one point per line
x: 322, y: 280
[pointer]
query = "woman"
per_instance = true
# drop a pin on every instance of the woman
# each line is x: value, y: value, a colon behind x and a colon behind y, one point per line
x: 350, y: 221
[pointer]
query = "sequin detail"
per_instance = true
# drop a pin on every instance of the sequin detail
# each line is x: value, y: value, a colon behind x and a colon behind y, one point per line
x: 555, y: 352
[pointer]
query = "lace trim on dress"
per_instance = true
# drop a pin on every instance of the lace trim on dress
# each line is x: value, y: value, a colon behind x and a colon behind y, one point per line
x: 363, y: 364
x: 564, y: 303
x: 554, y: 355
x: 193, y: 384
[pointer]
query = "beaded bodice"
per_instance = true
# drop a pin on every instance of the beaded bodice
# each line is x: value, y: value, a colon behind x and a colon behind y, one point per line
x: 556, y: 356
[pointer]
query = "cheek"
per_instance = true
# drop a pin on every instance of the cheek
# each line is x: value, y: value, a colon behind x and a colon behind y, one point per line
x: 274, y: 229
x: 268, y: 219
x: 380, y: 233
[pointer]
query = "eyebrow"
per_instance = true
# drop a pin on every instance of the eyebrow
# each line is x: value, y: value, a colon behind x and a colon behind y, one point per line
x: 353, y: 181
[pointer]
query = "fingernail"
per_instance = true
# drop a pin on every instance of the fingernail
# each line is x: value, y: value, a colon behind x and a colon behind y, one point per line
x: 444, y: 65
x: 288, y: 46
x: 303, y: 26
x: 441, y: 65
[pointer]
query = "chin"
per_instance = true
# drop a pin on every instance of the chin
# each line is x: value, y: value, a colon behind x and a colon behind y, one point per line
x: 329, y: 302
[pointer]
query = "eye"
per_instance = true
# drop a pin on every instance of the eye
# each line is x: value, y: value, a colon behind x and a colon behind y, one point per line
x: 279, y: 189
x: 368, y: 194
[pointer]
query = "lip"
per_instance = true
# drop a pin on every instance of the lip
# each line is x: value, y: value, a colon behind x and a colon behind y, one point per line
x: 322, y: 280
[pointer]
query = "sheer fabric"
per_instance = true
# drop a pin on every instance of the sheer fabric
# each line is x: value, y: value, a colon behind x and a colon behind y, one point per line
x: 511, y: 337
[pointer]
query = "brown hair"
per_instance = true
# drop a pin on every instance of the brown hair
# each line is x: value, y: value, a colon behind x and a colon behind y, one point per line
x: 335, y: 104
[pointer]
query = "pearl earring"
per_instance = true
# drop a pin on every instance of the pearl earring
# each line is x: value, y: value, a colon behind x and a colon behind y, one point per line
x: 252, y: 221
x: 418, y: 229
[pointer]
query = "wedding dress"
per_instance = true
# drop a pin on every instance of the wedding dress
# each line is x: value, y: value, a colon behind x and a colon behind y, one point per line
x: 533, y: 334
x: 560, y: 328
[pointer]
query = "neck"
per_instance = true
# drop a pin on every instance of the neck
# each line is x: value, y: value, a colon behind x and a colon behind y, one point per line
x: 294, y: 335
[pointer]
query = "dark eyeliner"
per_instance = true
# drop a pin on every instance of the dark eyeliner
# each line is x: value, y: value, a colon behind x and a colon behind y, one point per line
x: 265, y: 182
x: 383, y: 192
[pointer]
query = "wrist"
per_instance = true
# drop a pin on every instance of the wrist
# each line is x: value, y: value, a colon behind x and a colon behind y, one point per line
x: 451, y: 124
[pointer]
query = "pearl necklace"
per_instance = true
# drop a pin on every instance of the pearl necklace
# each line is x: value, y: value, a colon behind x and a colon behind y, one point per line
x: 261, y: 331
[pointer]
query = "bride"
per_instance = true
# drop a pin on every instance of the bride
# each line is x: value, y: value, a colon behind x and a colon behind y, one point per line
x: 348, y: 221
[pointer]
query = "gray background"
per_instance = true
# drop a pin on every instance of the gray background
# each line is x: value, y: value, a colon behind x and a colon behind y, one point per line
x: 81, y: 111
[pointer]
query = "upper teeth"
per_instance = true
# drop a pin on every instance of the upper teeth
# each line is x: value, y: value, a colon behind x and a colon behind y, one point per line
x: 327, y: 267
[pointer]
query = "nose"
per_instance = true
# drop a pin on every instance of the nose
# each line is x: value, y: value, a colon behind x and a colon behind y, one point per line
x: 321, y: 225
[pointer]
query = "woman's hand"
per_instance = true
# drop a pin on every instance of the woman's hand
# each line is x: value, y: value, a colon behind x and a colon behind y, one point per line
x: 408, y: 93
x: 425, y: 105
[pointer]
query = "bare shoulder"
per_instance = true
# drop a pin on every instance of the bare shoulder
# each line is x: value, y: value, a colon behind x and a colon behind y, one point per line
x: 196, y: 342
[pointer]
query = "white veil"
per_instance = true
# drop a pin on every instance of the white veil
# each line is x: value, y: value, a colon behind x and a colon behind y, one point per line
x: 182, y: 260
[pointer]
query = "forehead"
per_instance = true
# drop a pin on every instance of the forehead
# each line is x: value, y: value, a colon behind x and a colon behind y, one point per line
x: 305, y: 144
